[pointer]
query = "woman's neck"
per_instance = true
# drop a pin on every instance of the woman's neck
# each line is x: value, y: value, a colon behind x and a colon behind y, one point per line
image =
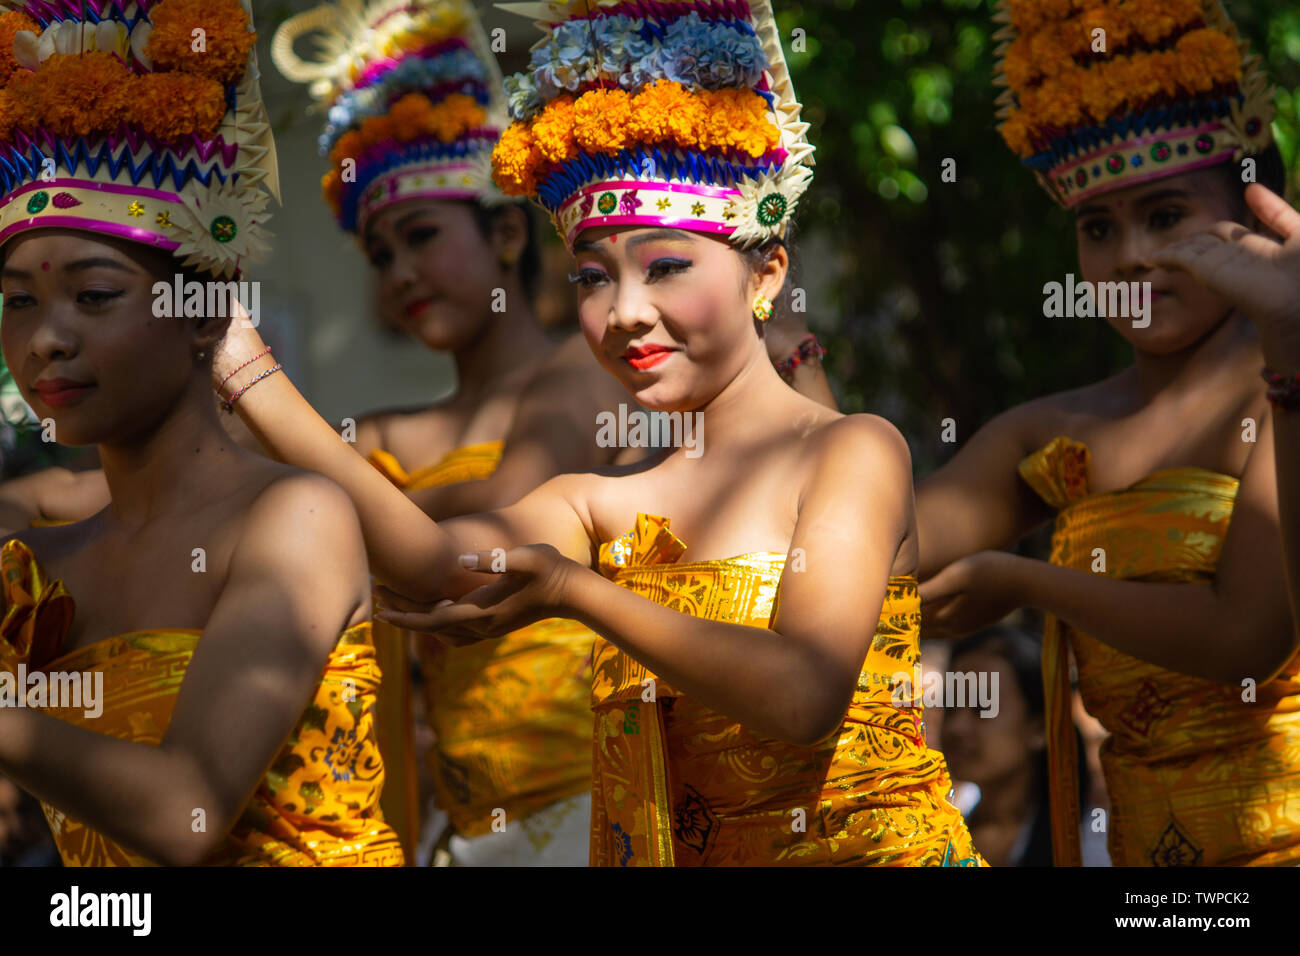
x: 755, y: 400
x: 510, y: 342
x: 1005, y: 801
x: 175, y: 466
x: 1203, y: 361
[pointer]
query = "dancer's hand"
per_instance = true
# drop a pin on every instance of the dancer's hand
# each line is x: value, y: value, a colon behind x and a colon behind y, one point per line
x: 1257, y: 273
x: 241, y: 343
x: 969, y: 594
x: 531, y: 583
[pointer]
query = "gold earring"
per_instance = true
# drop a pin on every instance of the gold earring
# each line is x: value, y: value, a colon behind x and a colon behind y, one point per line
x: 507, y: 260
x: 762, y: 308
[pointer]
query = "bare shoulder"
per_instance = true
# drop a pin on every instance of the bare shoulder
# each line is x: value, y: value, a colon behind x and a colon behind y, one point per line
x: 1036, y: 422
x: 861, y: 442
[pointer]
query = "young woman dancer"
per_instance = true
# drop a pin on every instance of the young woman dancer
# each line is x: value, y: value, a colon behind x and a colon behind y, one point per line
x: 208, y: 699
x: 1166, y: 574
x: 745, y: 711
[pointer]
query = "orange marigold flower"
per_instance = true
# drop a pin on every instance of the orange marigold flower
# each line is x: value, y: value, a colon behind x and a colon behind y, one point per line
x: 515, y: 161
x: 1017, y: 134
x: 1154, y: 20
x: 172, y: 105
x: 12, y: 23
x: 224, y: 43
x: 552, y: 131
x: 1207, y: 58
x: 455, y: 116
x: 1018, y: 66
x: 74, y: 94
x: 737, y: 119
x: 654, y: 108
x: 8, y: 115
x: 331, y: 185
x: 602, y: 121
x: 349, y: 146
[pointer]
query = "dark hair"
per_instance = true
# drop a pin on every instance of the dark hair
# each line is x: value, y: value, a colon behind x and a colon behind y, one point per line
x: 1024, y: 654
x: 530, y: 261
x: 1270, y: 171
x: 758, y: 256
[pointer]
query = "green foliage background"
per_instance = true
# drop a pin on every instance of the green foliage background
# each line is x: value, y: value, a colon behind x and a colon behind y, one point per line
x: 936, y: 310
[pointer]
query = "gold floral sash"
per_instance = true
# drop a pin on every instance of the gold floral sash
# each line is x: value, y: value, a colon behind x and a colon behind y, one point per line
x: 675, y: 783
x: 319, y: 803
x: 511, y: 716
x: 1196, y: 774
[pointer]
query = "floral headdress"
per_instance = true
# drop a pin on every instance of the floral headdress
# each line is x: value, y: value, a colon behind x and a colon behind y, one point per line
x: 656, y: 112
x: 143, y: 121
x: 1166, y: 87
x: 414, y: 99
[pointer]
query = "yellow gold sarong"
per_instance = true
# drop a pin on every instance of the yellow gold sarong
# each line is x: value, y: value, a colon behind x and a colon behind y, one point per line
x: 676, y: 784
x: 511, y: 716
x: 1196, y: 774
x: 318, y: 805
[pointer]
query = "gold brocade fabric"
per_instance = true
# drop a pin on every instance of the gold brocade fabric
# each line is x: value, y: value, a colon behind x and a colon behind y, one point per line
x: 676, y: 784
x: 1196, y: 774
x: 319, y: 803
x: 511, y: 716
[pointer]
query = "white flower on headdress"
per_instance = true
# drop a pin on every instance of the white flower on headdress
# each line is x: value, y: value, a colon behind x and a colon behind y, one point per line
x: 766, y: 204
x: 1250, y: 121
x: 224, y: 228
x: 484, y: 185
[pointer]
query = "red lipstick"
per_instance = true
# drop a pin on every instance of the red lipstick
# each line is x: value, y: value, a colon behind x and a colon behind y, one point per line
x: 57, y: 392
x: 642, y: 357
x: 415, y: 308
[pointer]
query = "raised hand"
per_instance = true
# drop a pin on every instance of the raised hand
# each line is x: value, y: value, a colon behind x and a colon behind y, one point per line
x: 1257, y: 273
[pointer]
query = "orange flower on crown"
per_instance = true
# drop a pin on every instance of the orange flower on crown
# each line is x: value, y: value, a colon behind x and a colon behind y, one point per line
x: 552, y: 130
x: 1154, y: 20
x: 515, y: 161
x: 737, y: 119
x: 1207, y: 58
x: 73, y: 94
x: 172, y: 105
x: 664, y: 112
x: 1017, y: 134
x: 11, y: 24
x: 226, y: 38
x: 602, y: 121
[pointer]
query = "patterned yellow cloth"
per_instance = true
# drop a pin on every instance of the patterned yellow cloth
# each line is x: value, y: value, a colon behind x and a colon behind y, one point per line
x: 511, y: 715
x: 676, y: 784
x: 319, y: 803
x: 1196, y: 775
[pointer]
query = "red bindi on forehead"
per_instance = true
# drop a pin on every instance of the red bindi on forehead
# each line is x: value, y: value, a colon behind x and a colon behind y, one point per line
x: 613, y: 239
x: 45, y: 267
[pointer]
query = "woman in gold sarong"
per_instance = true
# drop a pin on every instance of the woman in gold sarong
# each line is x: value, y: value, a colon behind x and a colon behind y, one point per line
x: 187, y: 676
x: 1166, y: 578
x: 749, y: 706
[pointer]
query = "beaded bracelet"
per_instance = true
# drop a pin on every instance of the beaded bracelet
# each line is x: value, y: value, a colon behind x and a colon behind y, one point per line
x: 265, y: 351
x: 229, y: 404
x: 809, y: 348
x: 1283, y: 390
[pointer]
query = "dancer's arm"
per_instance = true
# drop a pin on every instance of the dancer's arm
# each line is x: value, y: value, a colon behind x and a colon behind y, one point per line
x: 407, y: 550
x: 977, y: 501
x: 1261, y: 276
x: 295, y: 581
x: 1238, y: 626
x: 793, y: 682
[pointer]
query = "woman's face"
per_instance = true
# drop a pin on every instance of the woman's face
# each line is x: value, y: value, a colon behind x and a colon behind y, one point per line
x: 668, y: 312
x: 436, y: 276
x: 1119, y: 231
x: 81, y: 339
x: 987, y: 750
